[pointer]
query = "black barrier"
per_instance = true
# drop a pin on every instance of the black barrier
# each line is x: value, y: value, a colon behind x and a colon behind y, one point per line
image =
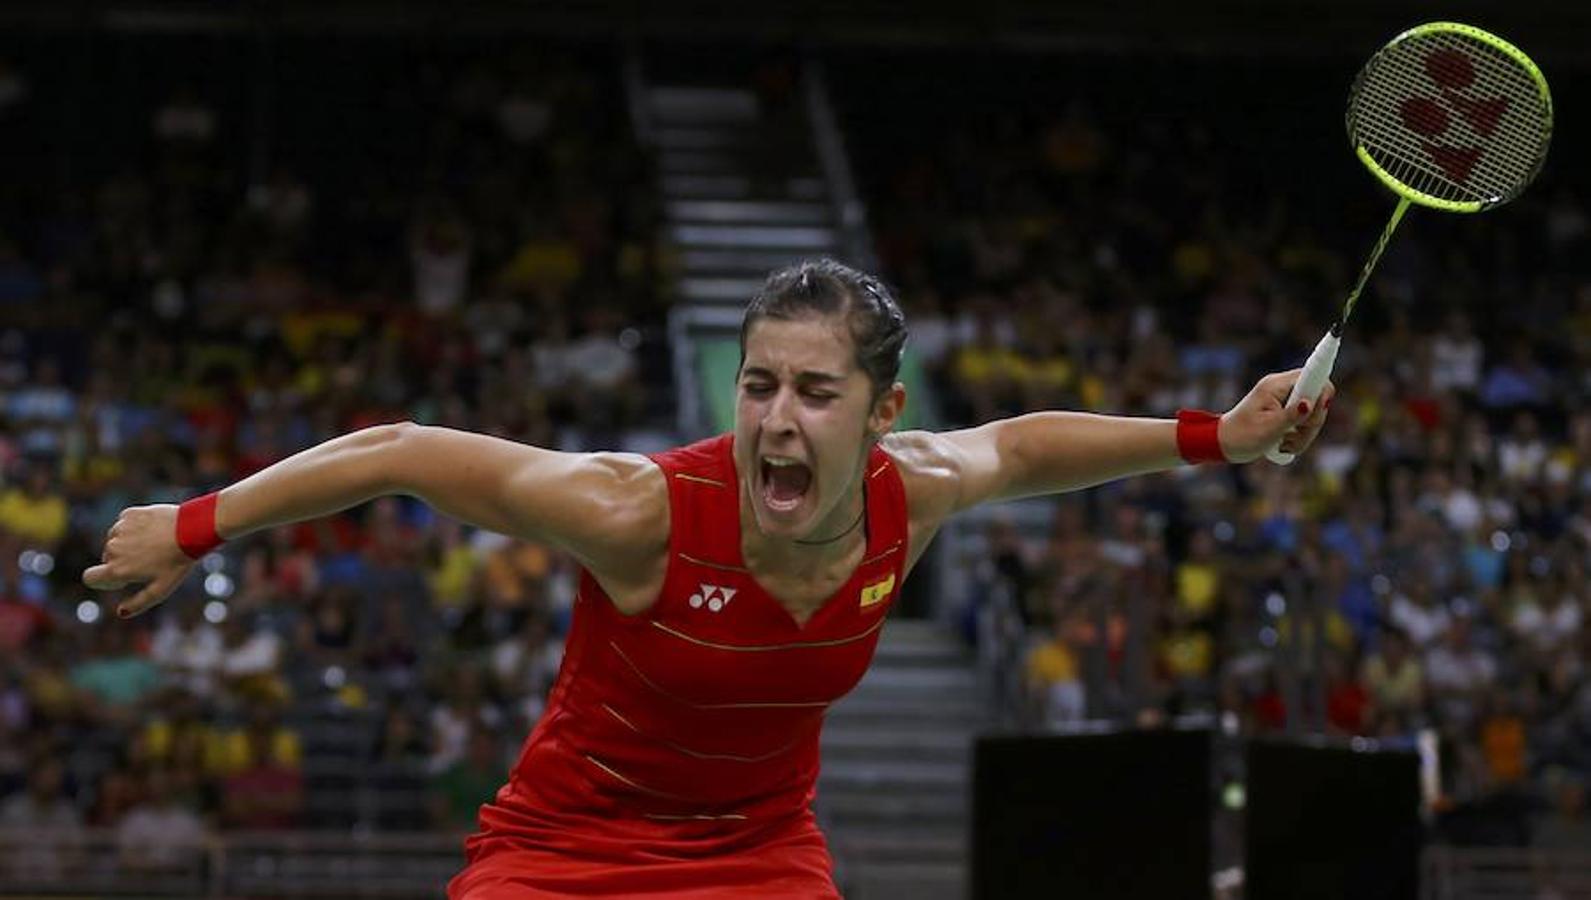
x: 1331, y: 822
x: 1133, y: 815
x: 1100, y: 816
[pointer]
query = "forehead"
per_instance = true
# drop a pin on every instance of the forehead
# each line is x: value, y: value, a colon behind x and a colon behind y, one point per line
x: 788, y: 347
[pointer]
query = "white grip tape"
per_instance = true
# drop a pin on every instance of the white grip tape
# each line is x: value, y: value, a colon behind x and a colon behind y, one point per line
x: 1309, y: 386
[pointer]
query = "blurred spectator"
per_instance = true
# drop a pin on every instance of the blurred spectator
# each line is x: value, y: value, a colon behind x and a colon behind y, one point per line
x: 114, y: 678
x: 526, y: 665
x: 163, y: 833
x: 251, y: 658
x: 439, y: 252
x: 329, y: 635
x: 1396, y: 682
x: 44, y: 826
x: 473, y: 779
x: 267, y: 792
x: 36, y: 511
x: 1565, y: 825
x: 1054, y: 672
x: 462, y: 708
x: 1347, y: 700
x: 189, y: 648
x: 1459, y: 673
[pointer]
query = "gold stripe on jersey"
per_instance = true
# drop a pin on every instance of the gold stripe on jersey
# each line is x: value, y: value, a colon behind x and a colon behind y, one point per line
x: 678, y: 699
x: 878, y: 556
x: 697, y: 754
x: 697, y: 816
x: 631, y: 782
x: 699, y: 479
x: 744, y: 648
x: 712, y: 565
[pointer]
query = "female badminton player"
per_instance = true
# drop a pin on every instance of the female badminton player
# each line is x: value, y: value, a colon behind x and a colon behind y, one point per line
x: 731, y: 590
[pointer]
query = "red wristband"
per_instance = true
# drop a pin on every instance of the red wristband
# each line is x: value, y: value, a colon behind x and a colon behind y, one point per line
x: 196, y: 526
x: 1198, y: 436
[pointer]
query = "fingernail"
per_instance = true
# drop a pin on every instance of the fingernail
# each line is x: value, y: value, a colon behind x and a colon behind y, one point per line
x: 1303, y: 407
x: 123, y: 611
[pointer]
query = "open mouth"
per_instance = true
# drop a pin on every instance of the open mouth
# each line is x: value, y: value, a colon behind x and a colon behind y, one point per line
x: 785, y: 482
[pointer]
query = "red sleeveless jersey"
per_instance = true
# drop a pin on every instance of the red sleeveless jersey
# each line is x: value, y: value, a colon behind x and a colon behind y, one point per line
x: 678, y: 754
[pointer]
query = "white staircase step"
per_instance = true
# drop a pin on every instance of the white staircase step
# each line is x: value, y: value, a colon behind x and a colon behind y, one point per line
x: 794, y: 238
x: 879, y: 845
x: 917, y: 880
x: 929, y: 680
x: 886, y: 710
x: 893, y: 776
x: 739, y: 262
x: 924, y: 653
x: 699, y: 162
x: 689, y: 137
x: 925, y: 742
x: 860, y: 809
x: 697, y: 104
x: 734, y: 187
x: 719, y: 290
x: 749, y: 212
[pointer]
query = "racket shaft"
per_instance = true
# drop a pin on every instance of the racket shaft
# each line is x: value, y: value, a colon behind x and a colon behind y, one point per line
x: 1311, y: 382
x: 1375, y: 257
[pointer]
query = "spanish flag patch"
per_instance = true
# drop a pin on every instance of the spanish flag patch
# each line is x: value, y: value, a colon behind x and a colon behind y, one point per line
x: 878, y: 591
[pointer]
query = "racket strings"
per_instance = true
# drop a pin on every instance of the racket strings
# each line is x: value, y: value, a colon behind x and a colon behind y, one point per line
x: 1476, y: 73
x: 1508, y: 155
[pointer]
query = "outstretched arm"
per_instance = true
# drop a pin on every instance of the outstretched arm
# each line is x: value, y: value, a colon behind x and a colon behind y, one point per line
x: 602, y: 507
x: 1051, y: 452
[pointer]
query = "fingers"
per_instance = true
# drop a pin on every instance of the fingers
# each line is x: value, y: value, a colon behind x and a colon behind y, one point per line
x: 1303, y: 434
x: 100, y: 578
x: 151, y: 595
x: 1278, y: 385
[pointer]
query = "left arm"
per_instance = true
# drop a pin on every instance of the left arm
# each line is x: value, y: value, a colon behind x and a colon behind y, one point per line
x: 1051, y: 452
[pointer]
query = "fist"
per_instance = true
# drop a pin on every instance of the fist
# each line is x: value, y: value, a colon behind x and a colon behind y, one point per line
x: 141, y: 548
x: 1259, y: 420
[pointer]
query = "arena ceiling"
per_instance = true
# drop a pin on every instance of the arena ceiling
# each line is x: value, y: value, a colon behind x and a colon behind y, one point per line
x: 1553, y: 28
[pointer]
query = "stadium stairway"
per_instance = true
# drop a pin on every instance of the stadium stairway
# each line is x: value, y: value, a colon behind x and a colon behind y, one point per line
x: 893, y: 796
x: 734, y: 209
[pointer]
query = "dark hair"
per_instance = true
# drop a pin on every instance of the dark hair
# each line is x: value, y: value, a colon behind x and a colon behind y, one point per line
x: 824, y: 287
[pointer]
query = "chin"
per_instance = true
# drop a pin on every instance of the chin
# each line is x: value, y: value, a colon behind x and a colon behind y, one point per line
x: 789, y: 525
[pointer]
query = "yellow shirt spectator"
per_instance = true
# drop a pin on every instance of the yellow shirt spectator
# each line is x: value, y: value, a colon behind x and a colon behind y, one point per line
x: 1188, y: 654
x: 228, y: 752
x: 40, y: 520
x: 1051, y: 662
x: 1197, y: 586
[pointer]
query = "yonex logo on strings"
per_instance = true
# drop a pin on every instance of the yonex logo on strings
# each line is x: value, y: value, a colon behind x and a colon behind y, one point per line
x: 1451, y: 71
x: 714, y: 597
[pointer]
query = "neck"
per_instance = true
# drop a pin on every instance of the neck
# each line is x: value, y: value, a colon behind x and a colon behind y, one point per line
x: 837, y: 537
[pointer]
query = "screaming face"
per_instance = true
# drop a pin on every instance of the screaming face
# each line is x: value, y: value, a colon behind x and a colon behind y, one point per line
x: 803, y: 413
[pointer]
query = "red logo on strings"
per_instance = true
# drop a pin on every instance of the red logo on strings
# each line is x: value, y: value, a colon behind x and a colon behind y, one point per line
x: 1451, y: 71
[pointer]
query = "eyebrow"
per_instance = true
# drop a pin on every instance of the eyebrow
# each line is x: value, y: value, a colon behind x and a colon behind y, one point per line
x: 810, y: 376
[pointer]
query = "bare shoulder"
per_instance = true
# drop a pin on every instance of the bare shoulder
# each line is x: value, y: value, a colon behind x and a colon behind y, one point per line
x: 930, y: 469
x: 626, y: 550
x: 633, y: 501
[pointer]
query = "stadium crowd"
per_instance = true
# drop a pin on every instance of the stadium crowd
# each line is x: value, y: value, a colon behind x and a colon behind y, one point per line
x: 1437, y: 538
x: 469, y: 242
x: 179, y: 324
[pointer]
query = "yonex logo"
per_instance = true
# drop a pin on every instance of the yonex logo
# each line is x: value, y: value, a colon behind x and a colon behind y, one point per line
x: 714, y: 597
x: 1450, y: 71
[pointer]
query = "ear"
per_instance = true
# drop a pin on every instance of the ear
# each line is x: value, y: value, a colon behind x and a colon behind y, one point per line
x: 886, y: 410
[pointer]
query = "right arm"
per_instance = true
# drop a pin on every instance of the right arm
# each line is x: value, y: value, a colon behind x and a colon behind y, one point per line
x: 609, y: 510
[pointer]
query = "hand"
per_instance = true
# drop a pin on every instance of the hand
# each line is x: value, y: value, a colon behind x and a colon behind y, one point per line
x: 141, y: 548
x: 1253, y: 426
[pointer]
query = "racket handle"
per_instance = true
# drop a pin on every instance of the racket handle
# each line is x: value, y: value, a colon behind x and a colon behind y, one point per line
x: 1311, y: 382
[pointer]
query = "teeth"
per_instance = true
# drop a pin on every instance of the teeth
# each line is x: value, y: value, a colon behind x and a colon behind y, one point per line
x: 781, y: 461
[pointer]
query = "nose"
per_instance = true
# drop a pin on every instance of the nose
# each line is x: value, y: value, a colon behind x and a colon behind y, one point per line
x: 779, y: 419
